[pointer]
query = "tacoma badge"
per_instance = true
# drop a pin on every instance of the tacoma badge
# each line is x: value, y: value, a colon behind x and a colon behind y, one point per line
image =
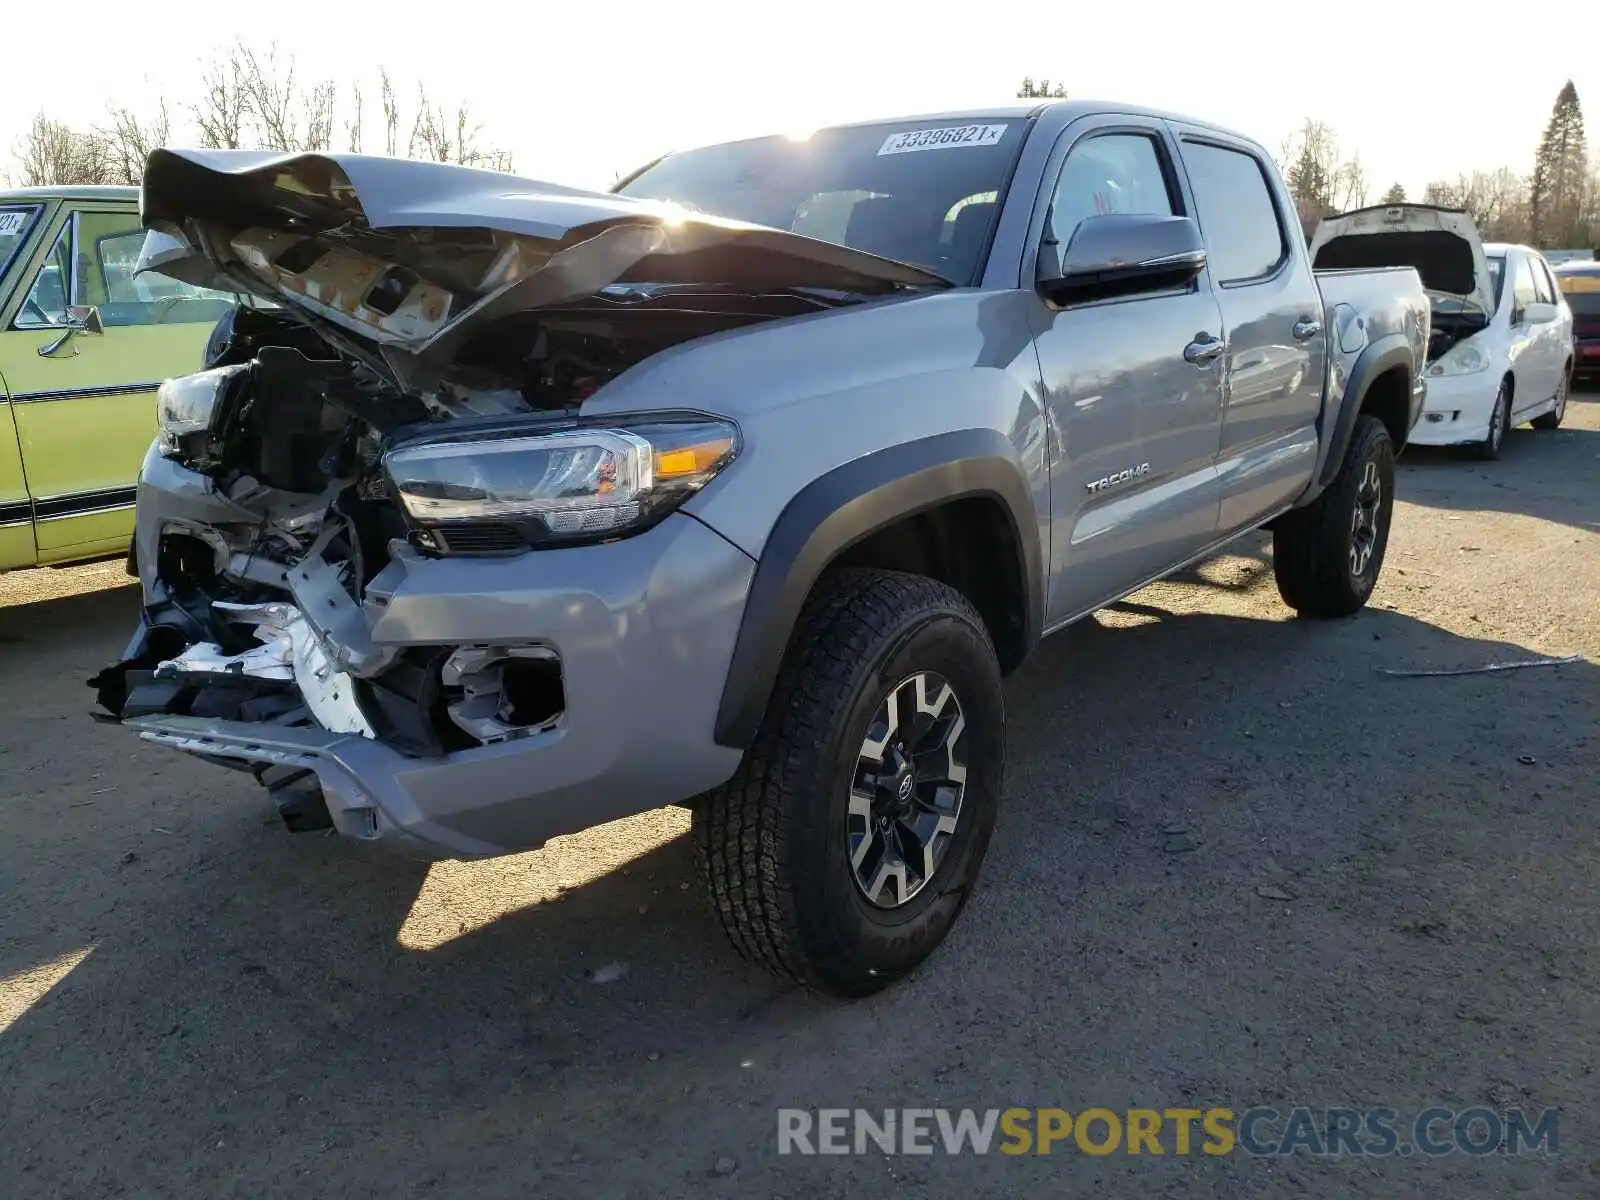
x: 1121, y: 476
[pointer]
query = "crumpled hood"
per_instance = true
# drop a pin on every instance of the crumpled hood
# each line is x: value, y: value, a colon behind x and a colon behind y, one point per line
x: 412, y: 257
x: 1441, y: 243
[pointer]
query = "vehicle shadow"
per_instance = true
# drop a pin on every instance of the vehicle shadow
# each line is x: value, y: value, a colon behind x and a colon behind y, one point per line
x: 257, y: 1009
x: 1541, y: 473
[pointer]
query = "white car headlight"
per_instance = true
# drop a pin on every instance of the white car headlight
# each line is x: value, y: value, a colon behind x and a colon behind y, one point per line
x: 186, y: 405
x: 1464, y: 358
x: 516, y: 491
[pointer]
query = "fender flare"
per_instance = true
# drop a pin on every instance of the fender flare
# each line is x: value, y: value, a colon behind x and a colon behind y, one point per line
x: 1381, y: 356
x: 842, y: 507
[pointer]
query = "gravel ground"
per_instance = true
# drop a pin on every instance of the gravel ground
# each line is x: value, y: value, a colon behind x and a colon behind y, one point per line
x: 194, y: 1002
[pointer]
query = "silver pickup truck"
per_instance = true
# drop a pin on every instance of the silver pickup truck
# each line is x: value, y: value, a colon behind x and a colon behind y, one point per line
x: 522, y: 508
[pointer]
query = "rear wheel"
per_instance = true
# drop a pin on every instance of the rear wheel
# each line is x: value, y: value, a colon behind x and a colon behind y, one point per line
x: 1553, y: 418
x: 843, y: 849
x: 1499, y: 425
x: 1327, y: 556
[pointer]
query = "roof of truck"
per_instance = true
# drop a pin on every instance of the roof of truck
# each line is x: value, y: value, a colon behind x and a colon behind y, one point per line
x: 72, y: 191
x: 1060, y: 113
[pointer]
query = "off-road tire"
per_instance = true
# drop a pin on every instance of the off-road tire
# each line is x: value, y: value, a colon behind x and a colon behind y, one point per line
x: 772, y: 841
x: 1494, y: 442
x: 1553, y: 418
x: 1312, y: 546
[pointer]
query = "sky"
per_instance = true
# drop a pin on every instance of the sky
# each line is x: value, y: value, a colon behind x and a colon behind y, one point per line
x: 582, y: 92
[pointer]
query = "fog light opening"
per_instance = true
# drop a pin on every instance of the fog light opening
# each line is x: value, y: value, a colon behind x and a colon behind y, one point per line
x: 502, y: 692
x: 530, y: 691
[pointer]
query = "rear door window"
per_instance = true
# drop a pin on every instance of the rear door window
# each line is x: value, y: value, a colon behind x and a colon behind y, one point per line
x: 1242, y: 226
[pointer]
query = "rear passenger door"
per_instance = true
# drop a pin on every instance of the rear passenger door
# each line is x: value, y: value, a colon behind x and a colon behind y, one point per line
x: 1133, y: 422
x: 1272, y: 309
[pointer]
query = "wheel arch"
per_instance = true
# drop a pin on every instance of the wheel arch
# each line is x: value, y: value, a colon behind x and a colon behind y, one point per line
x: 1380, y: 385
x: 927, y: 506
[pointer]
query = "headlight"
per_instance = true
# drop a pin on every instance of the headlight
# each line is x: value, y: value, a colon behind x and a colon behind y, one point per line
x: 186, y: 405
x: 512, y: 492
x: 1464, y: 358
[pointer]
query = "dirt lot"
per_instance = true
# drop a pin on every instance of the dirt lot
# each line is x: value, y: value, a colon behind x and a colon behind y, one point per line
x: 194, y: 1002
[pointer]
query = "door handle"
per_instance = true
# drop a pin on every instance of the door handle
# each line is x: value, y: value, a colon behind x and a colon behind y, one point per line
x: 1203, y: 349
x: 1306, y: 328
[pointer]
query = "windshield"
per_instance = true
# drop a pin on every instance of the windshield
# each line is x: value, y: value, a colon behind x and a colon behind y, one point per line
x: 920, y: 192
x: 1497, y: 275
x: 15, y: 221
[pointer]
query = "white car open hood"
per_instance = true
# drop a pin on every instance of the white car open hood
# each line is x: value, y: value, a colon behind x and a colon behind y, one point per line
x: 412, y: 257
x: 1441, y: 243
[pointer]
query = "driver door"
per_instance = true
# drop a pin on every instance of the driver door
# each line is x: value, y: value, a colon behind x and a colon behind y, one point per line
x: 82, y: 397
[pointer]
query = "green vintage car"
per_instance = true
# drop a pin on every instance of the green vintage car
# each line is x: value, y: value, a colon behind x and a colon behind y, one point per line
x: 84, y: 343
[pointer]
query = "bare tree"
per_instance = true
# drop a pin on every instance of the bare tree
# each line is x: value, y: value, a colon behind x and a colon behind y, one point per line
x: 129, y: 140
x: 352, y: 125
x: 1497, y: 202
x: 253, y: 97
x: 53, y: 153
x: 286, y: 114
x: 441, y: 136
x: 224, y: 103
x: 391, y: 114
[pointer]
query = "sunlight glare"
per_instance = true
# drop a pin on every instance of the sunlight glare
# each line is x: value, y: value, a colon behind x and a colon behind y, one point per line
x: 20, y: 992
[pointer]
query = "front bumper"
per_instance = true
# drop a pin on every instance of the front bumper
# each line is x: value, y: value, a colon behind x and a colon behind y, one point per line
x: 1456, y: 410
x: 644, y: 628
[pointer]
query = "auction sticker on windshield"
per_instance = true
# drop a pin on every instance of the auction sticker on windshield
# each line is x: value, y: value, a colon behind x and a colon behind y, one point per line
x: 949, y: 137
x: 11, y: 222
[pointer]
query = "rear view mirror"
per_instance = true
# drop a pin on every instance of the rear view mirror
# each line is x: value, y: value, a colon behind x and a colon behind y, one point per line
x: 1539, y: 313
x: 1121, y: 254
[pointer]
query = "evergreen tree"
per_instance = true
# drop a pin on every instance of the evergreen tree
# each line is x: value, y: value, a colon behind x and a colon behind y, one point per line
x: 1041, y: 90
x: 1555, y: 200
x: 1395, y: 195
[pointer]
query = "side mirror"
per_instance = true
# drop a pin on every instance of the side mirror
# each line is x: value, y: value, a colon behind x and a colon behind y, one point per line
x: 1539, y: 313
x: 81, y: 318
x: 85, y: 318
x: 1121, y: 254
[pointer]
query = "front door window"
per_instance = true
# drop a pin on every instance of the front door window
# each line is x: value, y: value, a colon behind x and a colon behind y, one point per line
x: 92, y: 263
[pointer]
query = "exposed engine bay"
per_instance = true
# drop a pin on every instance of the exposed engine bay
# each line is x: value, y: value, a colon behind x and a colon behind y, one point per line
x: 267, y: 617
x: 1452, y: 323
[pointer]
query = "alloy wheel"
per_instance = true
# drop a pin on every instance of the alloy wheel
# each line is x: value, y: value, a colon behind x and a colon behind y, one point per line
x: 1364, y: 519
x: 905, y: 797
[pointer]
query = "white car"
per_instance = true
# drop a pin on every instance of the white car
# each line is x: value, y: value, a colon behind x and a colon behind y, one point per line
x: 1501, y: 347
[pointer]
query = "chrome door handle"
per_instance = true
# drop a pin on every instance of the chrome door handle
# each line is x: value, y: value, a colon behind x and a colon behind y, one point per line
x: 1203, y: 349
x: 1306, y: 329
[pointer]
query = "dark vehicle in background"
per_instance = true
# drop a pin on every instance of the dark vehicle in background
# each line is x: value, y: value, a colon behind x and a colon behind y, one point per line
x: 1580, y: 286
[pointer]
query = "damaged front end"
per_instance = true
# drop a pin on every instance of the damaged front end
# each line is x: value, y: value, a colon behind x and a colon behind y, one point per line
x: 335, y: 522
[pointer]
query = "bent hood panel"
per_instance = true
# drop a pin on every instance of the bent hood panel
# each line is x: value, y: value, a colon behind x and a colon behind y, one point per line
x: 1441, y: 243
x: 412, y: 256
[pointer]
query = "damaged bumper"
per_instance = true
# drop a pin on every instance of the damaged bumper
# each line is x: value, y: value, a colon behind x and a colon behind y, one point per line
x: 642, y: 631
x: 1457, y: 410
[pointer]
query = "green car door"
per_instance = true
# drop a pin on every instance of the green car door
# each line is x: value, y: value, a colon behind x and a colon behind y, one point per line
x: 84, y: 347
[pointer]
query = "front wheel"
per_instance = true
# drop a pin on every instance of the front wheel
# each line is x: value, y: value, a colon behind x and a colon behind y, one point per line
x: 1499, y: 425
x: 843, y: 849
x: 1327, y: 556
